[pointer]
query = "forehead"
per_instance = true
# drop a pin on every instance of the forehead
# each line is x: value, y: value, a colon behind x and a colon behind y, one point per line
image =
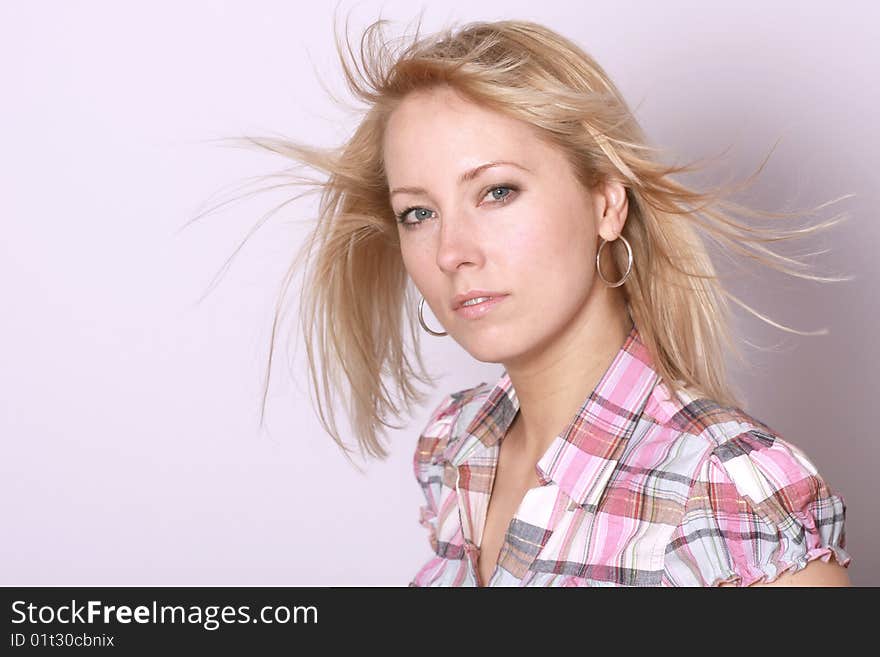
x: 441, y: 126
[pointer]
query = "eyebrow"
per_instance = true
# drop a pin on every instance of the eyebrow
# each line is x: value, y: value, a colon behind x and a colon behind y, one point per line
x: 463, y: 178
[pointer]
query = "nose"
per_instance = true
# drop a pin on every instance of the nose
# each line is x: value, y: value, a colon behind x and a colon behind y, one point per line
x: 459, y: 243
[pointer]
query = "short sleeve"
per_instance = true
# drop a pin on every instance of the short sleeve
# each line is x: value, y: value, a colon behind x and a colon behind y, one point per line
x: 426, y: 461
x: 757, y: 508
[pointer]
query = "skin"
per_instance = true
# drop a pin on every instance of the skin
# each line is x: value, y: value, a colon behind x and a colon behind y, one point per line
x: 561, y: 325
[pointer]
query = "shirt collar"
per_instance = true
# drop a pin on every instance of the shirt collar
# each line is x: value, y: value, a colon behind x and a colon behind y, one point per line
x: 581, y: 459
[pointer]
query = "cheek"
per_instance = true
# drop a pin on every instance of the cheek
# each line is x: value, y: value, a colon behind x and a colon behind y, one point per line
x: 420, y: 265
x: 552, y: 254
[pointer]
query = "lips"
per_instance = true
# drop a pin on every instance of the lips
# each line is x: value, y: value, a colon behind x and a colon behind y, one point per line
x: 481, y: 309
x: 458, y: 300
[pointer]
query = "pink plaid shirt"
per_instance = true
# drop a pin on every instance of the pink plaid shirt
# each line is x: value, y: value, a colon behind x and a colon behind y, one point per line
x: 641, y: 489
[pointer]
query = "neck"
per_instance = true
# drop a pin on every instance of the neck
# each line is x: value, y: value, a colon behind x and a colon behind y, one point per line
x: 552, y: 381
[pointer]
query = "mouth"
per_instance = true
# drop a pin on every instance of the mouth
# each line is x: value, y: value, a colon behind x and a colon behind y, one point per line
x: 478, y: 307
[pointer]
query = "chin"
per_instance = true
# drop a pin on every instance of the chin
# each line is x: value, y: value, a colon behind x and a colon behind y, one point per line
x: 490, y: 347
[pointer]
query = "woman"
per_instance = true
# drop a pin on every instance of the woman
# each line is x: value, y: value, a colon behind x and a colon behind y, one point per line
x: 499, y: 170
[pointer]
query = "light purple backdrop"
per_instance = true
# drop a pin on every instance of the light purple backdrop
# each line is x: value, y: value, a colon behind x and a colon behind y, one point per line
x: 130, y: 447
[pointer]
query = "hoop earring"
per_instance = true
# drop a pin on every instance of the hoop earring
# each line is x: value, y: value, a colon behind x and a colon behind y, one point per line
x: 422, y: 320
x: 628, y: 266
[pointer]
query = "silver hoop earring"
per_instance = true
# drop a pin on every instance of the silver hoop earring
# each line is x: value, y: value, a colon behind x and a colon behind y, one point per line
x: 422, y: 320
x: 628, y: 266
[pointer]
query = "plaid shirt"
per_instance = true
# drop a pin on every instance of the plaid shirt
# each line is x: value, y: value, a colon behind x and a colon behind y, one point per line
x: 639, y: 490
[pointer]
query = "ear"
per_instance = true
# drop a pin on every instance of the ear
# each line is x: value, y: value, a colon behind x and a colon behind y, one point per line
x: 611, y: 209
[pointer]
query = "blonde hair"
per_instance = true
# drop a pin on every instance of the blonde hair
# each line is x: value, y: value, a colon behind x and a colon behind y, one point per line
x: 356, y: 304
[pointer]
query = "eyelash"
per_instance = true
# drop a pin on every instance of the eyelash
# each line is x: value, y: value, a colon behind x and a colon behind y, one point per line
x: 415, y: 224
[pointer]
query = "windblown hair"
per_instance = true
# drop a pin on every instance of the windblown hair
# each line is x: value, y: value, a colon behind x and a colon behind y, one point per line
x: 356, y: 303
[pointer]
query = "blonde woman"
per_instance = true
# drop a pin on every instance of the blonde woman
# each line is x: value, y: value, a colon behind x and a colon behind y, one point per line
x: 499, y: 179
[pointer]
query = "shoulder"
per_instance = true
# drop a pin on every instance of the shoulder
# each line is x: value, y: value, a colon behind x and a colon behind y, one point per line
x: 737, y: 448
x: 443, y: 423
x: 743, y: 460
x: 438, y: 432
x: 688, y: 415
x: 773, y: 476
x: 757, y: 505
x: 719, y: 438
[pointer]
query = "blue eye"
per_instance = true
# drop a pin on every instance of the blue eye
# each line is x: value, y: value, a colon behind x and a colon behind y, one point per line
x: 402, y: 215
x: 499, y: 200
x: 500, y: 188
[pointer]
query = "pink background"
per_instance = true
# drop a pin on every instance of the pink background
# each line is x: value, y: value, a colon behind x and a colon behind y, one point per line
x: 131, y: 452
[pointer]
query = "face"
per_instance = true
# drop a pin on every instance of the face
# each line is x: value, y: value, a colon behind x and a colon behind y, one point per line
x: 526, y: 230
